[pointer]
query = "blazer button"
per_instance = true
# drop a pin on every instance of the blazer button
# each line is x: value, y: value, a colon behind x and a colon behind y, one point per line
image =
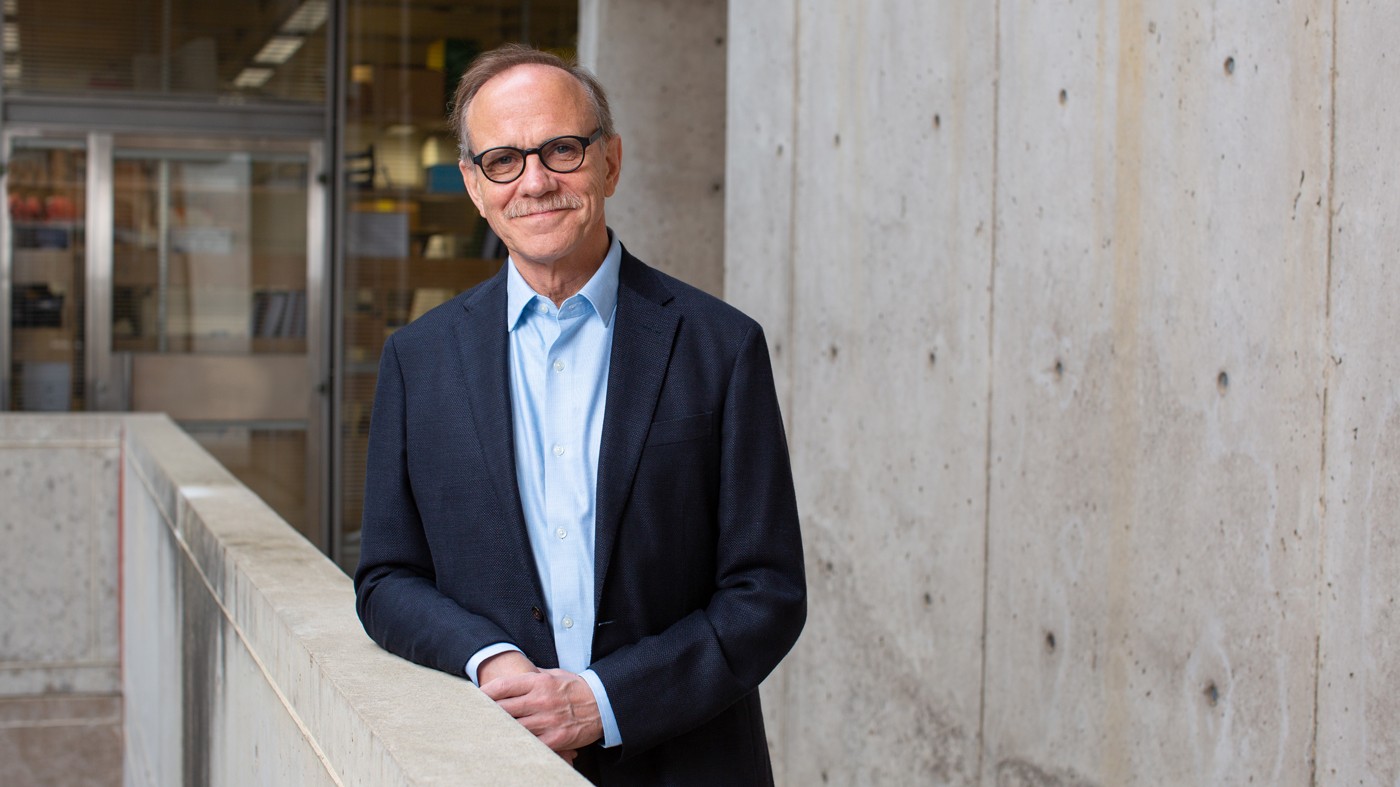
x: 537, y: 614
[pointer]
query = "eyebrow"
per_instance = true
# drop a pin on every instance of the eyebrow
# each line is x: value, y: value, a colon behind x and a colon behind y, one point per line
x: 532, y: 147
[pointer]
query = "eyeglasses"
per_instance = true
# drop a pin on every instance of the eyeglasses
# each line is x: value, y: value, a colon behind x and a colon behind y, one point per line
x: 561, y: 154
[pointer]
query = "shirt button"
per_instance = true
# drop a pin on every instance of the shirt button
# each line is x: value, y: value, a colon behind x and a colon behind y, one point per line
x: 558, y: 366
x: 568, y: 623
x: 541, y: 308
x: 558, y: 450
x: 561, y: 532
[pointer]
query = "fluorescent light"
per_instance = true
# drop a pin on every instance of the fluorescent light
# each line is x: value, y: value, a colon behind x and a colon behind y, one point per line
x: 278, y: 50
x: 362, y: 74
x: 252, y: 77
x: 307, y: 19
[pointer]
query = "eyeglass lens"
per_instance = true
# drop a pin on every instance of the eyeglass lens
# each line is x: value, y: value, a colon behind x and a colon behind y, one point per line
x: 561, y: 155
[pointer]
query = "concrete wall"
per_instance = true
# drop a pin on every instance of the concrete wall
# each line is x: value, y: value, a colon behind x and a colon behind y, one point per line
x: 245, y: 663
x: 1083, y: 316
x: 663, y: 63
x: 1358, y: 736
x: 60, y: 675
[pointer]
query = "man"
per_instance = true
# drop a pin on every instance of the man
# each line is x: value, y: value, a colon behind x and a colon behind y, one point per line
x: 578, y: 492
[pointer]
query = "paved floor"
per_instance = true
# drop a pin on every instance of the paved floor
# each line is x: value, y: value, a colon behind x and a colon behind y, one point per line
x: 59, y: 739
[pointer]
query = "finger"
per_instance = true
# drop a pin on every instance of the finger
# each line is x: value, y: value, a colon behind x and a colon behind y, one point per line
x: 568, y: 755
x: 511, y: 686
x: 522, y: 708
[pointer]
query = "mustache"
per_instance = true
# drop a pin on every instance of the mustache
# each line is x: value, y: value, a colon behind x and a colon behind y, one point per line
x: 525, y: 207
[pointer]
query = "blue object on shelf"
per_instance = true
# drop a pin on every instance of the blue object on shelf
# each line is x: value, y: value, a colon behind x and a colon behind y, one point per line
x: 445, y: 179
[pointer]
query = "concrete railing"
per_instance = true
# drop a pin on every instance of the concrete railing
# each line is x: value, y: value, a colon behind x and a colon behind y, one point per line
x: 242, y: 661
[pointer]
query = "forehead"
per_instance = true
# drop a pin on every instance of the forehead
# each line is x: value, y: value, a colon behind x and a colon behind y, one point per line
x: 527, y: 104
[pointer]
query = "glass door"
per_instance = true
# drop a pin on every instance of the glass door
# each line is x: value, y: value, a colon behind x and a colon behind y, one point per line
x: 201, y: 261
x: 45, y: 280
x: 210, y: 306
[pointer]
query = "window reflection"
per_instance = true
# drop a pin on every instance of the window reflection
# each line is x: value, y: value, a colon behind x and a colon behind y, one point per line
x: 271, y: 51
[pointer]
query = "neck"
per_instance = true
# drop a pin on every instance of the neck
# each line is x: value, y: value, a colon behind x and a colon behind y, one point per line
x: 561, y: 279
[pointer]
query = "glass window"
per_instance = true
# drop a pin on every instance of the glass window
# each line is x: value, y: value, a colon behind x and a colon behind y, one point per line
x: 413, y: 238
x: 266, y: 51
x: 47, y: 185
x: 210, y: 307
x: 209, y: 253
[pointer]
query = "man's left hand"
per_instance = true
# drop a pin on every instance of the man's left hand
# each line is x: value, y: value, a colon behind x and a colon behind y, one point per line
x: 556, y: 705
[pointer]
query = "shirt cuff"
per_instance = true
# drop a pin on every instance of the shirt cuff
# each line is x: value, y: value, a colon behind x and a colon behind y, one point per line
x: 611, y: 736
x: 474, y: 663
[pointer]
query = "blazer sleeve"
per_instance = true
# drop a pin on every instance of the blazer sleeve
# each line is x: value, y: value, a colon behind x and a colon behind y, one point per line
x: 396, y: 593
x: 669, y: 683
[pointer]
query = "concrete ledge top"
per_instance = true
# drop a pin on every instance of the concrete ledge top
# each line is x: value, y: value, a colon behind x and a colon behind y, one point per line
x: 377, y: 718
x: 59, y: 428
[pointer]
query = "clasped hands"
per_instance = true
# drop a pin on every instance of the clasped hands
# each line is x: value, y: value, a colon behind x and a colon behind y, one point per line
x: 554, y: 704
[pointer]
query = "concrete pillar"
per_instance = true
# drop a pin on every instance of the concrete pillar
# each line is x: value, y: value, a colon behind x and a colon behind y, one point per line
x: 758, y: 238
x: 663, y: 63
x: 859, y: 189
x: 1160, y: 288
x: 1358, y: 735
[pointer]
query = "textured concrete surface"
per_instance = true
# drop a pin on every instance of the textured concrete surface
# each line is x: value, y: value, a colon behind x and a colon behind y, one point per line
x: 1090, y: 378
x: 246, y: 661
x: 758, y: 204
x: 1358, y: 738
x: 1158, y: 378
x: 859, y: 207
x: 60, y: 718
x: 58, y: 566
x: 663, y: 63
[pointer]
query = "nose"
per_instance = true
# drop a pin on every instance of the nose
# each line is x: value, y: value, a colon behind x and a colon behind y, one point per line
x: 537, y: 179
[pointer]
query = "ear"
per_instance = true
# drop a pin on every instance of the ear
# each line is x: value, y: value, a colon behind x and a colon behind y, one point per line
x: 469, y: 179
x: 613, y: 157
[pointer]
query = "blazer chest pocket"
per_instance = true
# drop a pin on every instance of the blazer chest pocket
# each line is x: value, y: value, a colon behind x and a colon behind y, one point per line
x: 678, y: 430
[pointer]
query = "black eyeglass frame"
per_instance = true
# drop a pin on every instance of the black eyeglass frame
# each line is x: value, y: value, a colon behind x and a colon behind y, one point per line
x: 524, y: 154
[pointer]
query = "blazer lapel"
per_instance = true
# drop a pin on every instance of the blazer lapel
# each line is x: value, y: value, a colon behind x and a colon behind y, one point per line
x: 483, y: 346
x: 641, y: 351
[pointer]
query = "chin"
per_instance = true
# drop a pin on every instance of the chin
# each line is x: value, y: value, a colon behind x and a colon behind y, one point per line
x: 547, y: 247
x: 542, y: 253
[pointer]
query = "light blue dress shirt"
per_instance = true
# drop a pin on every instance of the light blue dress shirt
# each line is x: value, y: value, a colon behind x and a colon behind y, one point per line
x: 558, y: 388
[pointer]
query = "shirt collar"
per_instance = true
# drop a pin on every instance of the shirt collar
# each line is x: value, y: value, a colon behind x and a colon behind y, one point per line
x: 600, y: 291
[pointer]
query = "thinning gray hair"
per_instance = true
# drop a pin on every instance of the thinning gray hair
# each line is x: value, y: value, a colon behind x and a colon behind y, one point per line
x: 497, y: 61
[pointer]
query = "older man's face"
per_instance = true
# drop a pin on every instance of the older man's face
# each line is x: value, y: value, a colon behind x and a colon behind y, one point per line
x: 543, y: 217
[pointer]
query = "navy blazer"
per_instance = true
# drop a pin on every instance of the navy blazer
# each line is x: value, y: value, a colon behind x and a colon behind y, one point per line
x: 699, y: 583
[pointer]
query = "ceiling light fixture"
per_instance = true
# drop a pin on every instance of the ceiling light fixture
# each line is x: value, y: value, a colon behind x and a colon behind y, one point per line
x: 252, y: 77
x: 278, y: 50
x: 307, y: 19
